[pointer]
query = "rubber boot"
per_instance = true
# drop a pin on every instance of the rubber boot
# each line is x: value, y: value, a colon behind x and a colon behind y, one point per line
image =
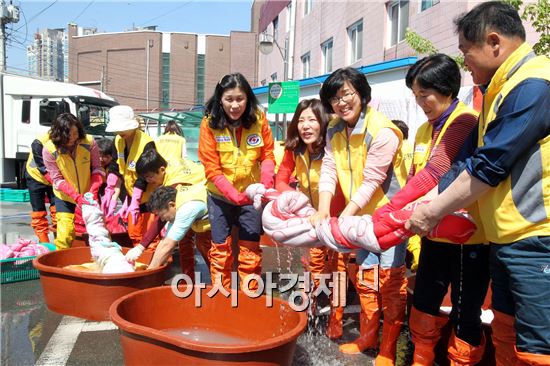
x: 203, y: 244
x: 250, y: 262
x: 532, y: 359
x: 39, y: 223
x: 393, y: 290
x: 367, y: 289
x: 135, y: 229
x: 187, y: 255
x: 337, y: 263
x: 462, y: 353
x: 53, y: 216
x: 425, y: 331
x: 504, y: 339
x: 316, y: 266
x: 65, y: 230
x: 221, y: 261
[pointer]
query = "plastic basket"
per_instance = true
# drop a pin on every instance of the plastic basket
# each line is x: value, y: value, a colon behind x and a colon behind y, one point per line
x: 14, y: 195
x: 20, y: 269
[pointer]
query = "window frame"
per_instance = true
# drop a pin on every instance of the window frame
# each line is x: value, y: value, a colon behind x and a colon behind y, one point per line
x: 355, y: 43
x: 306, y: 65
x: 324, y: 48
x: 399, y: 32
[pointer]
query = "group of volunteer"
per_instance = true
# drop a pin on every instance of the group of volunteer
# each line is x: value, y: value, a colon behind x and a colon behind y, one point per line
x: 350, y: 160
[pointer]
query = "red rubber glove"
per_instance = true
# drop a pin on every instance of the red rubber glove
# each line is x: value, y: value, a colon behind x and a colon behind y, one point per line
x: 267, y: 173
x: 48, y: 178
x: 69, y: 190
x: 96, y: 180
x: 417, y: 187
x: 229, y: 191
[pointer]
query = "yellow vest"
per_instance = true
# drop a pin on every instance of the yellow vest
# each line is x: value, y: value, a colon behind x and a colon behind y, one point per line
x: 31, y: 166
x: 407, y: 153
x: 76, y: 171
x: 240, y: 164
x: 519, y: 207
x: 279, y: 152
x: 351, y: 154
x: 170, y: 146
x: 128, y: 171
x: 195, y: 192
x: 423, y: 153
x: 308, y: 172
x: 184, y: 171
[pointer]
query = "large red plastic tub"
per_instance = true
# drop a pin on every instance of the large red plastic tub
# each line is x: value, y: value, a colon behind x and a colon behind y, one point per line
x: 249, y: 334
x: 89, y: 295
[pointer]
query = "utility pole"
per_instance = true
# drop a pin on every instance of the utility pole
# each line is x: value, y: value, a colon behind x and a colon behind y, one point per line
x: 8, y: 14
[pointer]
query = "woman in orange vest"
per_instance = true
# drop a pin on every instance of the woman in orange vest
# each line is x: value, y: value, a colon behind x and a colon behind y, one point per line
x: 304, y: 150
x: 435, y: 82
x: 236, y: 148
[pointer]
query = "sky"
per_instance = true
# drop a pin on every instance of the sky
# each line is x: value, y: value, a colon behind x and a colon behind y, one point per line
x: 195, y: 16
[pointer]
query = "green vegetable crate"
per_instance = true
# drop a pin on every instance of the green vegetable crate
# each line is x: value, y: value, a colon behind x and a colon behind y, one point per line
x: 20, y: 269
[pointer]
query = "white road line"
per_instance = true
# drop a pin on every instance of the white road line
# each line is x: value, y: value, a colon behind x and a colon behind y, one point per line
x: 98, y: 326
x: 62, y: 342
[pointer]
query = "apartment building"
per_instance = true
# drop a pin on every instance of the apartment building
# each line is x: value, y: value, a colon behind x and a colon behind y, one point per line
x: 152, y: 71
x: 46, y: 55
x: 322, y: 36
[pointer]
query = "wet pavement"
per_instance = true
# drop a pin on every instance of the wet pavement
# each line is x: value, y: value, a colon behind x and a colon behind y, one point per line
x: 33, y: 335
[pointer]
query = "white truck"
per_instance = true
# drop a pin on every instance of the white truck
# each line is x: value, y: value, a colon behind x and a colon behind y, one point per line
x: 27, y: 108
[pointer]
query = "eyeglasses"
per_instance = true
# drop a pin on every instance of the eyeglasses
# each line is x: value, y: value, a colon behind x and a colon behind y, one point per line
x: 346, y: 98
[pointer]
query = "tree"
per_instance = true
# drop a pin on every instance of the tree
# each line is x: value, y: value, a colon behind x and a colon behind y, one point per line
x: 537, y: 13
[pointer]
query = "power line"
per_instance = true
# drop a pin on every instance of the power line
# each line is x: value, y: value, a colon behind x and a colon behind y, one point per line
x: 37, y: 14
x: 167, y: 13
x: 83, y: 11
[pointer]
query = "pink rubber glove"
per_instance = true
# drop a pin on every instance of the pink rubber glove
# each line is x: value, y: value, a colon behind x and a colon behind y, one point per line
x: 133, y: 209
x: 123, y: 212
x: 267, y: 173
x: 96, y: 180
x: 111, y: 209
x: 48, y: 178
x: 112, y: 180
x: 230, y: 192
x: 69, y: 190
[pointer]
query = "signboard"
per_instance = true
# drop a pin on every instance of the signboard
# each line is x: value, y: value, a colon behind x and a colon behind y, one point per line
x: 283, y: 97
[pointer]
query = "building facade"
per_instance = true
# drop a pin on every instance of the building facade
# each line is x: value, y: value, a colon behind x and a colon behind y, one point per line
x: 322, y: 36
x: 153, y: 71
x: 47, y: 55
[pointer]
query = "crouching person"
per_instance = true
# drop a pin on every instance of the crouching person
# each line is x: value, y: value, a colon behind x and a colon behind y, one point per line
x: 180, y: 207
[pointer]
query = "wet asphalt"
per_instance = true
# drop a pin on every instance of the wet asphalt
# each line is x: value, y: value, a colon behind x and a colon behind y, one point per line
x: 33, y: 335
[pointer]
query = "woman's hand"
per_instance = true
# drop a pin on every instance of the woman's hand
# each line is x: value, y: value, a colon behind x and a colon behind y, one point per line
x: 318, y: 217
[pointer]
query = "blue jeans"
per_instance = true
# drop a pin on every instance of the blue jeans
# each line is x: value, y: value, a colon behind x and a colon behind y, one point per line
x: 224, y: 215
x: 520, y: 275
x: 392, y: 258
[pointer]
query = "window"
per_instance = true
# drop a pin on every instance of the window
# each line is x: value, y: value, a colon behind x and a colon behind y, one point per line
x: 307, y: 7
x: 288, y: 15
x: 398, y: 15
x: 355, y: 37
x: 426, y: 4
x: 305, y: 65
x: 326, y: 49
x: 199, y: 91
x: 276, y: 27
x: 274, y: 77
x: 165, y: 104
x: 26, y: 112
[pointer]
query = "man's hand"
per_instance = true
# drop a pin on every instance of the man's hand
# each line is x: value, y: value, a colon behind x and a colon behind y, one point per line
x: 422, y: 220
x: 133, y: 254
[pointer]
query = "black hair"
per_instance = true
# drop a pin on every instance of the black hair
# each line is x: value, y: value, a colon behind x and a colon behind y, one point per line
x: 106, y: 146
x: 403, y: 127
x: 161, y: 198
x: 293, y: 140
x: 150, y: 161
x: 336, y: 80
x: 214, y: 109
x: 492, y: 16
x: 173, y: 127
x: 438, y: 72
x: 61, y: 129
